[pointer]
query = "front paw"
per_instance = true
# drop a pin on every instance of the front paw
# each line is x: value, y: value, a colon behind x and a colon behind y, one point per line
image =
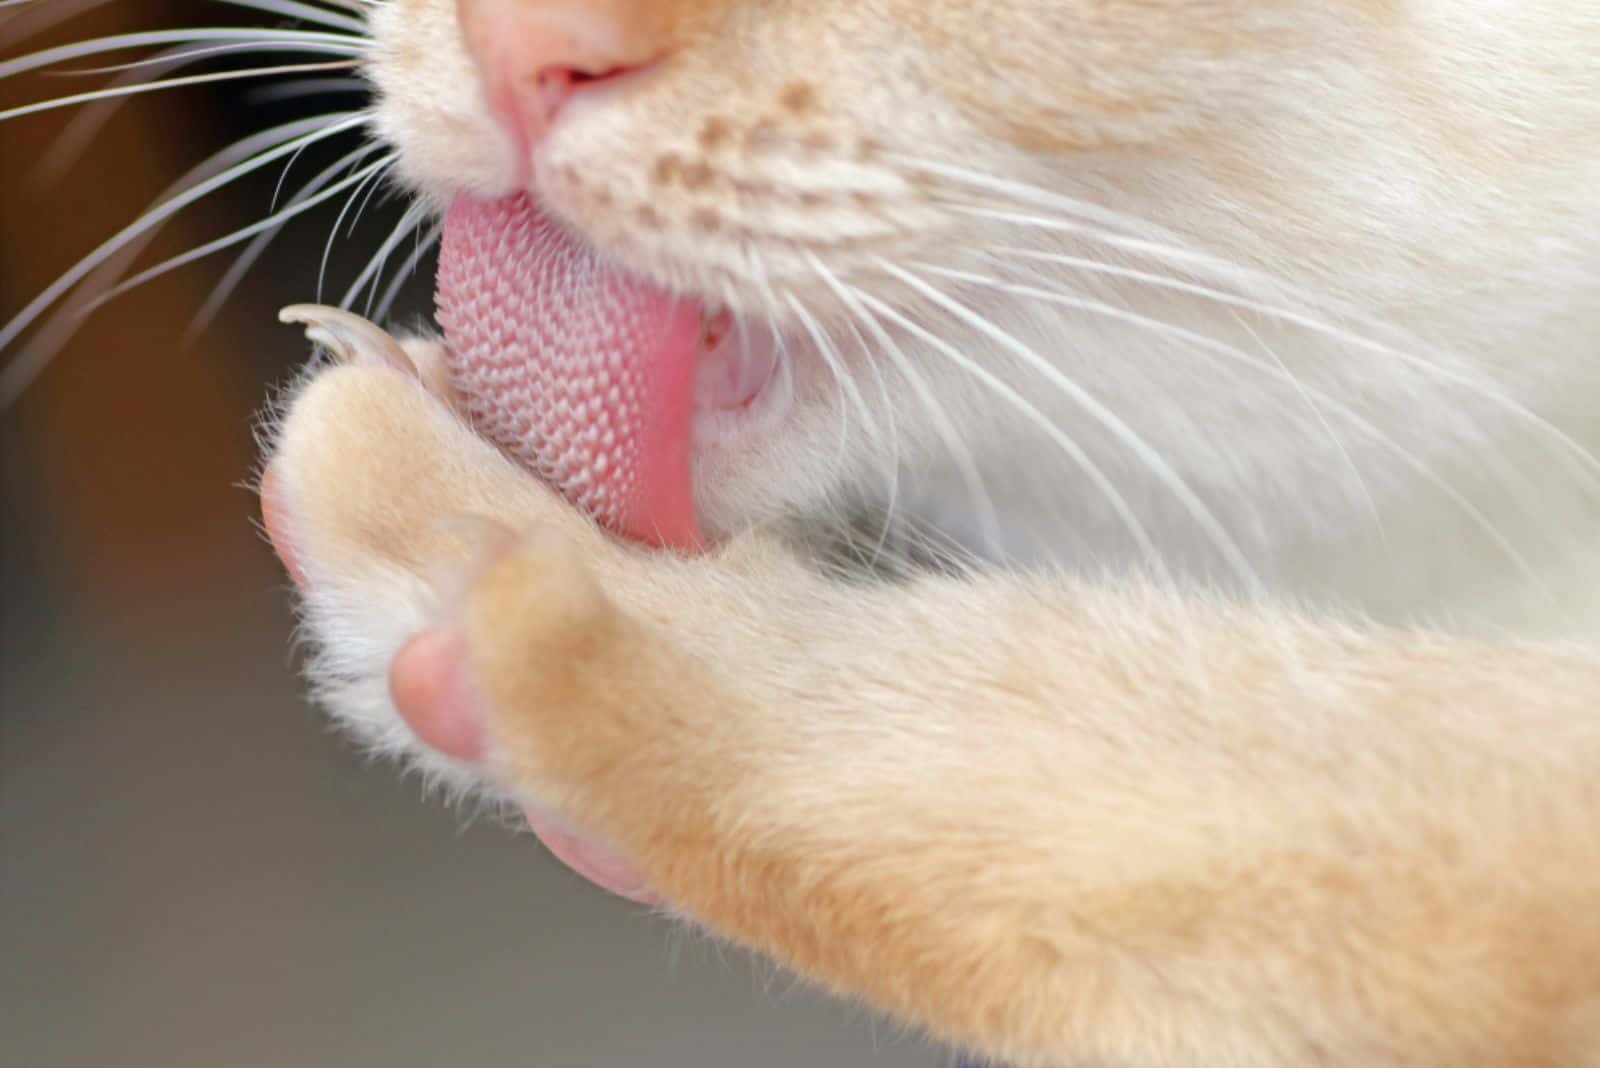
x: 368, y: 466
x: 540, y: 677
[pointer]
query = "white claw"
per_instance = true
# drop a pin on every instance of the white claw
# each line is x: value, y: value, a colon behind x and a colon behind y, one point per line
x: 348, y: 337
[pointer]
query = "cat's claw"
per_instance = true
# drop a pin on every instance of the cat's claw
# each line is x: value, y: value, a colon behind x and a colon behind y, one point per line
x: 348, y: 337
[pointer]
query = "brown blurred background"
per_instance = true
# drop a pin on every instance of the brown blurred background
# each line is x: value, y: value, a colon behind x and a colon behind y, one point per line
x: 193, y: 869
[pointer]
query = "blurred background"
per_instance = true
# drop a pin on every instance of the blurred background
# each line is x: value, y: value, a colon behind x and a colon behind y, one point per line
x: 194, y: 870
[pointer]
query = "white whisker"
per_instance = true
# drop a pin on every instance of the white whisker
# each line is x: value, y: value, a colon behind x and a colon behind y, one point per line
x: 286, y: 139
x: 1025, y: 193
x: 960, y: 454
x: 1435, y: 368
x: 189, y: 53
x: 1156, y: 463
x: 333, y: 235
x: 170, y: 83
x: 293, y: 9
x: 409, y: 221
x: 405, y: 272
x: 1029, y: 411
x: 1211, y: 345
x: 1160, y: 281
x: 79, y: 133
x: 361, y: 209
x: 1200, y: 262
x: 304, y: 40
x: 246, y: 259
x: 835, y: 363
x: 271, y: 222
x: 891, y: 438
x: 1309, y: 400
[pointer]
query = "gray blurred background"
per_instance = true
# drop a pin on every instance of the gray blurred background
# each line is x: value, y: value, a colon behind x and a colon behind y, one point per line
x: 193, y: 869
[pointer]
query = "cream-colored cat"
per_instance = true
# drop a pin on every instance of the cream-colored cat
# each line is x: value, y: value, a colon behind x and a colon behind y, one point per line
x: 1214, y: 323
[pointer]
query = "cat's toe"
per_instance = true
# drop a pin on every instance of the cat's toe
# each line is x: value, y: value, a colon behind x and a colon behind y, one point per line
x: 535, y: 672
x: 366, y: 476
x: 557, y: 645
x: 427, y: 355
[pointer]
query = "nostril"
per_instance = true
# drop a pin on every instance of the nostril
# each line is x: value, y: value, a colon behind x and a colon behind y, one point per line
x: 536, y: 105
x: 551, y: 88
x: 535, y: 55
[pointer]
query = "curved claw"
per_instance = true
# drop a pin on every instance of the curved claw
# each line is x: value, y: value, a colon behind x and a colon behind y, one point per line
x: 348, y: 337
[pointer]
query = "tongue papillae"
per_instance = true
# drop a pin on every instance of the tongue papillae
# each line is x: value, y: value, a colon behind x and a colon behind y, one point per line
x: 582, y: 372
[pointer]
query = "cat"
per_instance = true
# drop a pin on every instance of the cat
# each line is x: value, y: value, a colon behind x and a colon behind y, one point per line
x: 1233, y: 359
x: 1289, y: 302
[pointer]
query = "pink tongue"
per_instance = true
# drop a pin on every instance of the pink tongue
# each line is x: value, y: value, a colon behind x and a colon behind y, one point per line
x: 583, y: 373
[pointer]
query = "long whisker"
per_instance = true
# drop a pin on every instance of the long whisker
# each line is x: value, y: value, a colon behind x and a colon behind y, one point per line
x: 306, y: 12
x: 959, y: 452
x: 1211, y: 345
x: 1094, y: 267
x: 409, y: 221
x: 333, y: 234
x: 891, y: 438
x: 841, y: 379
x: 361, y: 209
x: 1201, y: 263
x: 60, y: 11
x: 1288, y: 300
x: 1309, y: 400
x: 1028, y: 194
x: 79, y: 133
x: 305, y: 40
x: 271, y: 222
x: 1158, y: 465
x: 1279, y: 312
x: 247, y: 258
x: 1435, y: 368
x: 404, y: 273
x: 171, y: 83
x: 1030, y: 412
x: 188, y: 52
x: 22, y: 369
x: 59, y: 328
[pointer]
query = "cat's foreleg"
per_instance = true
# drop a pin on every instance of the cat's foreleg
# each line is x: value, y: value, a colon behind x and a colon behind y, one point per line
x: 1073, y: 825
x: 1053, y: 822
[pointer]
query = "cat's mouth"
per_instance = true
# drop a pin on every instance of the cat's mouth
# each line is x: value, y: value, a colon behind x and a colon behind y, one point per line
x: 600, y: 381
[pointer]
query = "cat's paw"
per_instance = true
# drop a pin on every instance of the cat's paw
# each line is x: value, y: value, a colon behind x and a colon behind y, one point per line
x: 464, y: 617
x: 370, y: 473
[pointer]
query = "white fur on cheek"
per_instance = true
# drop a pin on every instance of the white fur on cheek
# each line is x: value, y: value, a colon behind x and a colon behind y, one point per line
x: 431, y: 104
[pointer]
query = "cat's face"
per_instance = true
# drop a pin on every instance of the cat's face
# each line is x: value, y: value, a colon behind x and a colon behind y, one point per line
x: 771, y: 153
x: 927, y: 203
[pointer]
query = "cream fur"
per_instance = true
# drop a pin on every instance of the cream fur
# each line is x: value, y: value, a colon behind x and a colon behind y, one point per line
x: 1089, y: 818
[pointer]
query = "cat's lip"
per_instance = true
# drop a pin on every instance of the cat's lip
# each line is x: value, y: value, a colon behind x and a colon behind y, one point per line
x: 738, y: 382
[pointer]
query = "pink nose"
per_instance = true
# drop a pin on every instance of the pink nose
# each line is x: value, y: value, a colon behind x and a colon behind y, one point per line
x: 535, y: 54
